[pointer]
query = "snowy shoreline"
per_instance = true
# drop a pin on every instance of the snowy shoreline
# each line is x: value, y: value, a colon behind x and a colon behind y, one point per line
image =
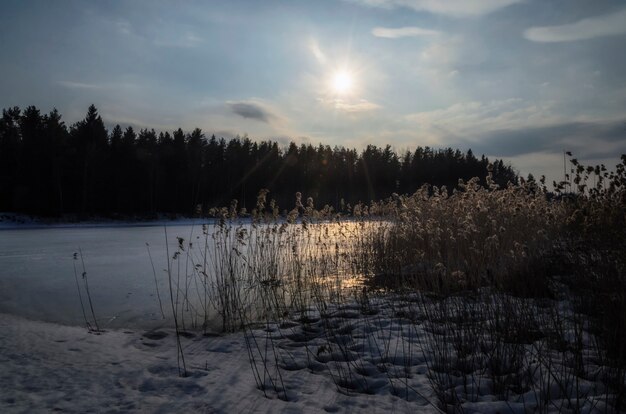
x: 379, y: 356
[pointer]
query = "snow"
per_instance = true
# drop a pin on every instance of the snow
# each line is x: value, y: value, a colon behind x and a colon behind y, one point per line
x: 346, y: 359
x: 48, y: 367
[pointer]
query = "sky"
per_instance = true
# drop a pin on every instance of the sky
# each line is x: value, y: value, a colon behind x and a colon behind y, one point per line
x: 522, y: 80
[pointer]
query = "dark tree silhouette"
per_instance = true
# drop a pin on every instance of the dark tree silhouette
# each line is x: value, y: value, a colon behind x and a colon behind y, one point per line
x: 49, y: 169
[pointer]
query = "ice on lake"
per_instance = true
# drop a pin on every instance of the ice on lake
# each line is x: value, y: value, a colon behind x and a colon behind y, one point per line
x: 37, y: 271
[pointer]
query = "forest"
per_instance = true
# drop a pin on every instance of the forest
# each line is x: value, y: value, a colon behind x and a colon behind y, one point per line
x: 50, y: 169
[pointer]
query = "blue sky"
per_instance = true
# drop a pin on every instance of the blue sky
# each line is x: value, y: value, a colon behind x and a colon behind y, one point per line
x: 518, y: 79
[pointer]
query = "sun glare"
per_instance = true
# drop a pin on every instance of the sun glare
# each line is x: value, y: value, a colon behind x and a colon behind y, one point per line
x: 342, y: 82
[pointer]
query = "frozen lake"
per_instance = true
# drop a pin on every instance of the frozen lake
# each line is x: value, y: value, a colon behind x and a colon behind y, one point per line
x: 37, y: 271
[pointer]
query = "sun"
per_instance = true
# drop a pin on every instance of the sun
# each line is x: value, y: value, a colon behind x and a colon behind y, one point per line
x: 342, y: 82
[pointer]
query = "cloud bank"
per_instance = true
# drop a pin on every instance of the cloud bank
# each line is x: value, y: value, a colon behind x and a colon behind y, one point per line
x: 514, y: 127
x: 600, y: 139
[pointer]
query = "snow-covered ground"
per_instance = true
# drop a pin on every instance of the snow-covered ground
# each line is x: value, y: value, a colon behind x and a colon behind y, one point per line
x: 48, y: 367
x: 350, y: 358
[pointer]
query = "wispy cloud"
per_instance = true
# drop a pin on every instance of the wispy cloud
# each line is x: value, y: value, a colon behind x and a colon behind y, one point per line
x: 409, y: 31
x: 315, y: 49
x: 188, y: 40
x: 347, y: 105
x: 598, y: 26
x: 455, y: 8
x: 124, y: 27
x: 362, y: 105
x: 103, y: 87
x: 79, y: 85
x: 475, y: 117
x: 251, y: 110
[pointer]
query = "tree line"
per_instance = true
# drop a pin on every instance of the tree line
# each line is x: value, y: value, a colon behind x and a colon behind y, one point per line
x: 50, y: 169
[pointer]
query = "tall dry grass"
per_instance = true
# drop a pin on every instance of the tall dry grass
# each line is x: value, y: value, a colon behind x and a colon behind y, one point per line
x: 514, y: 291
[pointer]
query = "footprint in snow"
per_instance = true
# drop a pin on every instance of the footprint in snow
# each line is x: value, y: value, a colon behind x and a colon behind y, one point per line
x: 155, y: 335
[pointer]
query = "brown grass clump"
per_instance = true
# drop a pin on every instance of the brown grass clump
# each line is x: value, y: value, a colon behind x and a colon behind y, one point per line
x: 469, y: 238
